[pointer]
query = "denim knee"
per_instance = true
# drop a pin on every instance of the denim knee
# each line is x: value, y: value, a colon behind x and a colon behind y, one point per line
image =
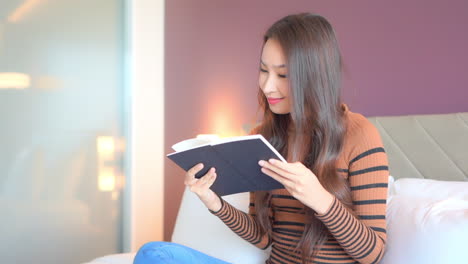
x: 155, y: 252
x: 172, y: 253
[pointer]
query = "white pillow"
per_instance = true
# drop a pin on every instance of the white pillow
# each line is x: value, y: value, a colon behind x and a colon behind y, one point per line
x: 433, y: 189
x: 427, y: 222
x: 391, y: 182
x: 197, y: 228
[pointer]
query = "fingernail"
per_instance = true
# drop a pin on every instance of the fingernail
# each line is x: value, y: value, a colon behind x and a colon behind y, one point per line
x: 261, y: 162
x: 200, y: 165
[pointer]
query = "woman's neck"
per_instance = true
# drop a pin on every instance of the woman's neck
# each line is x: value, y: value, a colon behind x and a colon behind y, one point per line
x: 291, y: 137
x: 291, y: 129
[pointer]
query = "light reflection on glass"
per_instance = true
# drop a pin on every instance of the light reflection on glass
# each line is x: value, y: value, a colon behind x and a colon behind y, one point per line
x: 106, y: 179
x: 109, y: 151
x: 106, y: 147
x: 23, y: 10
x: 14, y: 80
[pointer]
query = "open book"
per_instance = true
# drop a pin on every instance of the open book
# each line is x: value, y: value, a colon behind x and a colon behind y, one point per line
x: 235, y: 159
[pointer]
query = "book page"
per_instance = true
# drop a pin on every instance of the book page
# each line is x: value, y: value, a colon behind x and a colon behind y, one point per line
x: 241, y: 138
x: 232, y: 139
x: 190, y: 144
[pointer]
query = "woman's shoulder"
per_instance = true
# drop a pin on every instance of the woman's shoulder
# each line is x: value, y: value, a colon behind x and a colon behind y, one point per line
x: 254, y: 129
x: 359, y: 130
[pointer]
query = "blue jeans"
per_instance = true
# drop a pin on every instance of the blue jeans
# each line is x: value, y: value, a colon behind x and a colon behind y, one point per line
x: 172, y: 253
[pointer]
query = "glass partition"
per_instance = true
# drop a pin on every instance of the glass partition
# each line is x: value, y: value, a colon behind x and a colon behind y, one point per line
x: 61, y: 136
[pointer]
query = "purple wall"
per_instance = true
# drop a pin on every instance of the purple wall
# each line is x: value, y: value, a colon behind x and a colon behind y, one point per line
x: 401, y: 57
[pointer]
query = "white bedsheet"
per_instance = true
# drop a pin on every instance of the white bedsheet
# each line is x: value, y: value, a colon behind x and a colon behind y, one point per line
x: 125, y: 258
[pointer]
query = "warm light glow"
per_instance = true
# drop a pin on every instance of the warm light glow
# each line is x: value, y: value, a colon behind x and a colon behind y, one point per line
x: 109, y: 150
x: 14, y: 80
x: 105, y: 146
x: 106, y: 163
x: 223, y: 122
x: 223, y: 115
x: 106, y: 180
x: 23, y: 10
x: 48, y: 83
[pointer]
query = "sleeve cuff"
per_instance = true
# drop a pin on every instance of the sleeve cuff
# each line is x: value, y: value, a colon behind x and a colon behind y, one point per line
x: 221, y: 210
x: 328, y: 215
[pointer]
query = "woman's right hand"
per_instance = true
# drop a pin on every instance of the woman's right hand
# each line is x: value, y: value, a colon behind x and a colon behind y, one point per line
x: 201, y: 187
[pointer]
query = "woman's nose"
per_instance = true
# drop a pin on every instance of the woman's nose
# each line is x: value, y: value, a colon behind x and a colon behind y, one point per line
x: 269, y: 85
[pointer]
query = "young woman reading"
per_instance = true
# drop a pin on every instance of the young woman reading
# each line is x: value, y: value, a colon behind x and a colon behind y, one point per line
x: 332, y: 209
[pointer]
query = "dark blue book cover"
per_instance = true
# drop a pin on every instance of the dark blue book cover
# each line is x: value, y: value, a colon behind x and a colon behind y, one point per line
x: 236, y: 163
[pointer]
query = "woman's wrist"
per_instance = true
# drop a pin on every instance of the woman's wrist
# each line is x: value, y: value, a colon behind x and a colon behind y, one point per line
x: 324, y: 202
x: 214, y: 204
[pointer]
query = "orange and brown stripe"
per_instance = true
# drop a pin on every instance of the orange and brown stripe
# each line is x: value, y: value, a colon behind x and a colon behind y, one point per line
x: 357, y: 237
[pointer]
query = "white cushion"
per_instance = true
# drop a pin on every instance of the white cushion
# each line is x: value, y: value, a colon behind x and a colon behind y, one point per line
x: 427, y: 222
x: 197, y: 228
x: 433, y: 189
x: 125, y: 258
x: 391, y: 182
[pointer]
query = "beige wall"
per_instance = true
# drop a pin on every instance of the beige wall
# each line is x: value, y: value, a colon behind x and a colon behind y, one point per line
x: 145, y: 189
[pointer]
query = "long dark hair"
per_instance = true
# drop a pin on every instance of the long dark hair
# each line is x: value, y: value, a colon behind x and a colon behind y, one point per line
x: 314, y: 67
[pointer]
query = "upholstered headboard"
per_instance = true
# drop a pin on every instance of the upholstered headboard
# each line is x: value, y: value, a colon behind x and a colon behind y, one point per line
x: 426, y: 146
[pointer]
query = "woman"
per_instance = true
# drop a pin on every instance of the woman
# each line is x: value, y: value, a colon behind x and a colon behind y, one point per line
x: 332, y: 209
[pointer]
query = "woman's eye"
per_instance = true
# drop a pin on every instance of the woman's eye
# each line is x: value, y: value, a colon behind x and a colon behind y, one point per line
x: 279, y: 75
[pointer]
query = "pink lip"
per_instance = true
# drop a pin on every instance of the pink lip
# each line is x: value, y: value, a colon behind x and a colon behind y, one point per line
x: 274, y: 100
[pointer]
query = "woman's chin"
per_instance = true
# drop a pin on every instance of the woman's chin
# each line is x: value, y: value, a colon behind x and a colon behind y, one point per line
x: 279, y: 111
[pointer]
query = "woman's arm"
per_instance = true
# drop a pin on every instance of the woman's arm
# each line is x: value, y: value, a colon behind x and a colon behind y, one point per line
x: 363, y: 234
x: 362, y: 237
x: 244, y: 225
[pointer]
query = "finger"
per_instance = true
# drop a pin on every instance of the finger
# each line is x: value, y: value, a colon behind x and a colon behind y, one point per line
x: 201, y: 186
x: 289, y: 167
x: 190, y: 182
x: 283, y: 180
x: 189, y: 179
x: 190, y: 175
x: 202, y: 182
x: 209, y: 181
x: 276, y: 169
x: 195, y: 169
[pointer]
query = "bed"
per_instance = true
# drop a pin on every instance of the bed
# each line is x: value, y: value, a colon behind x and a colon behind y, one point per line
x: 427, y: 213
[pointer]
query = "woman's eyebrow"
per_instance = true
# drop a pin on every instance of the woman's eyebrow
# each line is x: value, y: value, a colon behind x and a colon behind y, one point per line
x: 274, y: 66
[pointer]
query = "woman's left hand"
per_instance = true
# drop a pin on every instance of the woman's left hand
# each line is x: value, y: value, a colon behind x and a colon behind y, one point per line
x: 301, y: 183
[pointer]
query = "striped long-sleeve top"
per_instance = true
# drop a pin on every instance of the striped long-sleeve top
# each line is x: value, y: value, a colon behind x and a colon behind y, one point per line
x: 353, y: 238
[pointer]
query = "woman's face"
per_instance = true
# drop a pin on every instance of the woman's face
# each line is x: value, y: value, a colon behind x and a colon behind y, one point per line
x: 273, y: 77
